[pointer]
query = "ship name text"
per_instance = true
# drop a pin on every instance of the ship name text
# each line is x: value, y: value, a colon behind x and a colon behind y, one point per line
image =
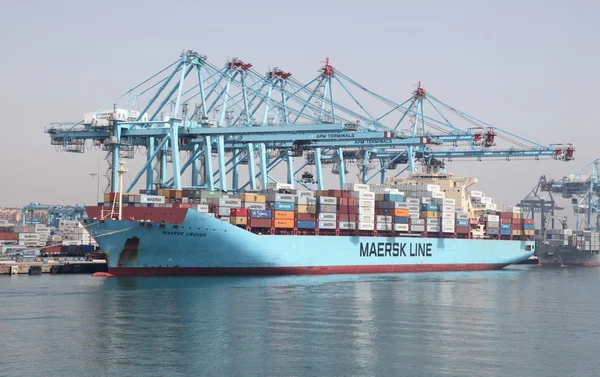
x: 395, y: 249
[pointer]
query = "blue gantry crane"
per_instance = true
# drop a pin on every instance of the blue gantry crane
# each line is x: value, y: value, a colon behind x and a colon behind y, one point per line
x: 243, y: 118
x: 583, y: 189
x: 56, y: 213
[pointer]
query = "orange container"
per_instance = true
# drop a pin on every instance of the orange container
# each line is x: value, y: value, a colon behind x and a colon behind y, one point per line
x: 401, y: 212
x: 284, y: 215
x: 278, y: 223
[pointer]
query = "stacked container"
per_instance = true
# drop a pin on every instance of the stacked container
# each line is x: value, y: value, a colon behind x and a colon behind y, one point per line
x: 327, y: 211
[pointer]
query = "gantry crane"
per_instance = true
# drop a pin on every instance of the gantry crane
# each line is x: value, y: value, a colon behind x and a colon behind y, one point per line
x: 56, y: 213
x: 237, y: 115
x: 583, y: 188
x: 534, y: 204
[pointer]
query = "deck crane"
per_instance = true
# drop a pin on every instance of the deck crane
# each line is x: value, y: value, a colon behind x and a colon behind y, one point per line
x: 534, y: 203
x: 583, y: 189
x: 245, y: 118
x: 56, y: 213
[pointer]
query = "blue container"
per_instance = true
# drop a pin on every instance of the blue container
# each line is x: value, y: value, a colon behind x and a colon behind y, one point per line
x: 306, y: 224
x: 283, y: 206
x: 401, y: 219
x: 386, y: 211
x: 529, y: 227
x: 505, y: 226
x: 430, y: 207
x: 260, y: 214
x: 393, y: 198
x: 505, y: 232
x: 462, y: 222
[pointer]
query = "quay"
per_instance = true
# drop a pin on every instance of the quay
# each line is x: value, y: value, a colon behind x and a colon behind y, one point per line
x: 52, y: 267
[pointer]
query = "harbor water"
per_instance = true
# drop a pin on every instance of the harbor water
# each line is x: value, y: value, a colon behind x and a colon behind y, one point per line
x: 520, y: 321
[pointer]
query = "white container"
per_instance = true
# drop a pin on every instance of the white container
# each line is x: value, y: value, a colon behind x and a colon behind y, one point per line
x: 226, y: 219
x: 448, y: 215
x: 327, y: 225
x: 202, y: 208
x: 449, y: 202
x: 491, y: 206
x: 425, y: 200
x: 329, y: 200
x: 459, y: 209
x: 384, y: 226
x: 276, y: 197
x: 363, y: 195
x: 516, y: 209
x: 417, y: 221
x: 224, y: 211
x: 486, y: 200
x: 152, y: 199
x: 251, y: 205
x: 438, y: 195
x: 401, y: 227
x: 447, y: 229
x: 366, y: 218
x: 433, y: 228
x: 493, y: 218
x: 356, y: 187
x: 432, y: 188
x: 365, y: 211
x: 301, y: 200
x: 305, y: 194
x: 366, y: 226
x: 447, y: 208
x: 402, y: 205
x: 347, y: 225
x: 366, y: 203
x: 279, y: 186
x: 28, y: 237
x: 230, y: 202
x: 327, y: 217
x: 448, y: 222
x: 384, y: 219
x: 476, y: 194
x: 413, y: 201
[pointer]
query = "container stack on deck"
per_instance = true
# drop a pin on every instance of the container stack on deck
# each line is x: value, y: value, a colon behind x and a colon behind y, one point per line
x: 583, y: 240
x: 398, y: 209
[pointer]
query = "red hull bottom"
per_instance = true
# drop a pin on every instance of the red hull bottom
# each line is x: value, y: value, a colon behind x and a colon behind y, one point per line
x: 273, y: 271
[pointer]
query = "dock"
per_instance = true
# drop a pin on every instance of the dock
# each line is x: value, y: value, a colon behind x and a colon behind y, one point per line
x: 52, y: 267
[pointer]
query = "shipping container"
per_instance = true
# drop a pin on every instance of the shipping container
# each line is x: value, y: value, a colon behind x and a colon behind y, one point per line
x: 304, y: 224
x: 347, y: 225
x: 401, y: 220
x: 252, y: 205
x: 283, y: 206
x: 238, y: 220
x: 328, y: 200
x: 366, y: 226
x: 284, y: 215
x: 324, y: 216
x: 279, y: 223
x: 240, y: 212
x: 306, y: 209
x: 260, y: 214
x: 327, y: 225
x: 366, y: 211
x: 307, y: 217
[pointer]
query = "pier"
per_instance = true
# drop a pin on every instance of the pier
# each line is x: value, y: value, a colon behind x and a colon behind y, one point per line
x: 52, y: 267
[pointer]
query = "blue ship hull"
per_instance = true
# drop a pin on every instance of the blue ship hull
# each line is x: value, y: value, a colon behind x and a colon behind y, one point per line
x: 203, y: 245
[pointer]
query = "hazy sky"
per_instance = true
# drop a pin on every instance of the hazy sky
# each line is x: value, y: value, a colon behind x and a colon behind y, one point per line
x: 530, y: 67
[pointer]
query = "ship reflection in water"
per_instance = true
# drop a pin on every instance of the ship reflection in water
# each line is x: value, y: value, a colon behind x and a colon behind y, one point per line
x: 463, y: 323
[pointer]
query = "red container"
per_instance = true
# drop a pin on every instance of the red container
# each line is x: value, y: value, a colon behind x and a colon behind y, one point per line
x: 8, y: 236
x: 504, y: 220
x: 347, y: 210
x: 260, y: 223
x: 352, y: 202
x: 527, y: 221
x: 347, y: 217
x: 336, y: 193
x: 517, y: 221
x: 240, y: 212
x: 185, y: 193
x: 462, y: 229
x: 346, y: 194
x: 507, y: 215
x: 307, y: 217
x: 343, y: 202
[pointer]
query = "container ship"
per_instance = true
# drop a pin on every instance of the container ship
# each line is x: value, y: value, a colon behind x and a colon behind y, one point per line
x: 419, y: 223
x: 567, y: 247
